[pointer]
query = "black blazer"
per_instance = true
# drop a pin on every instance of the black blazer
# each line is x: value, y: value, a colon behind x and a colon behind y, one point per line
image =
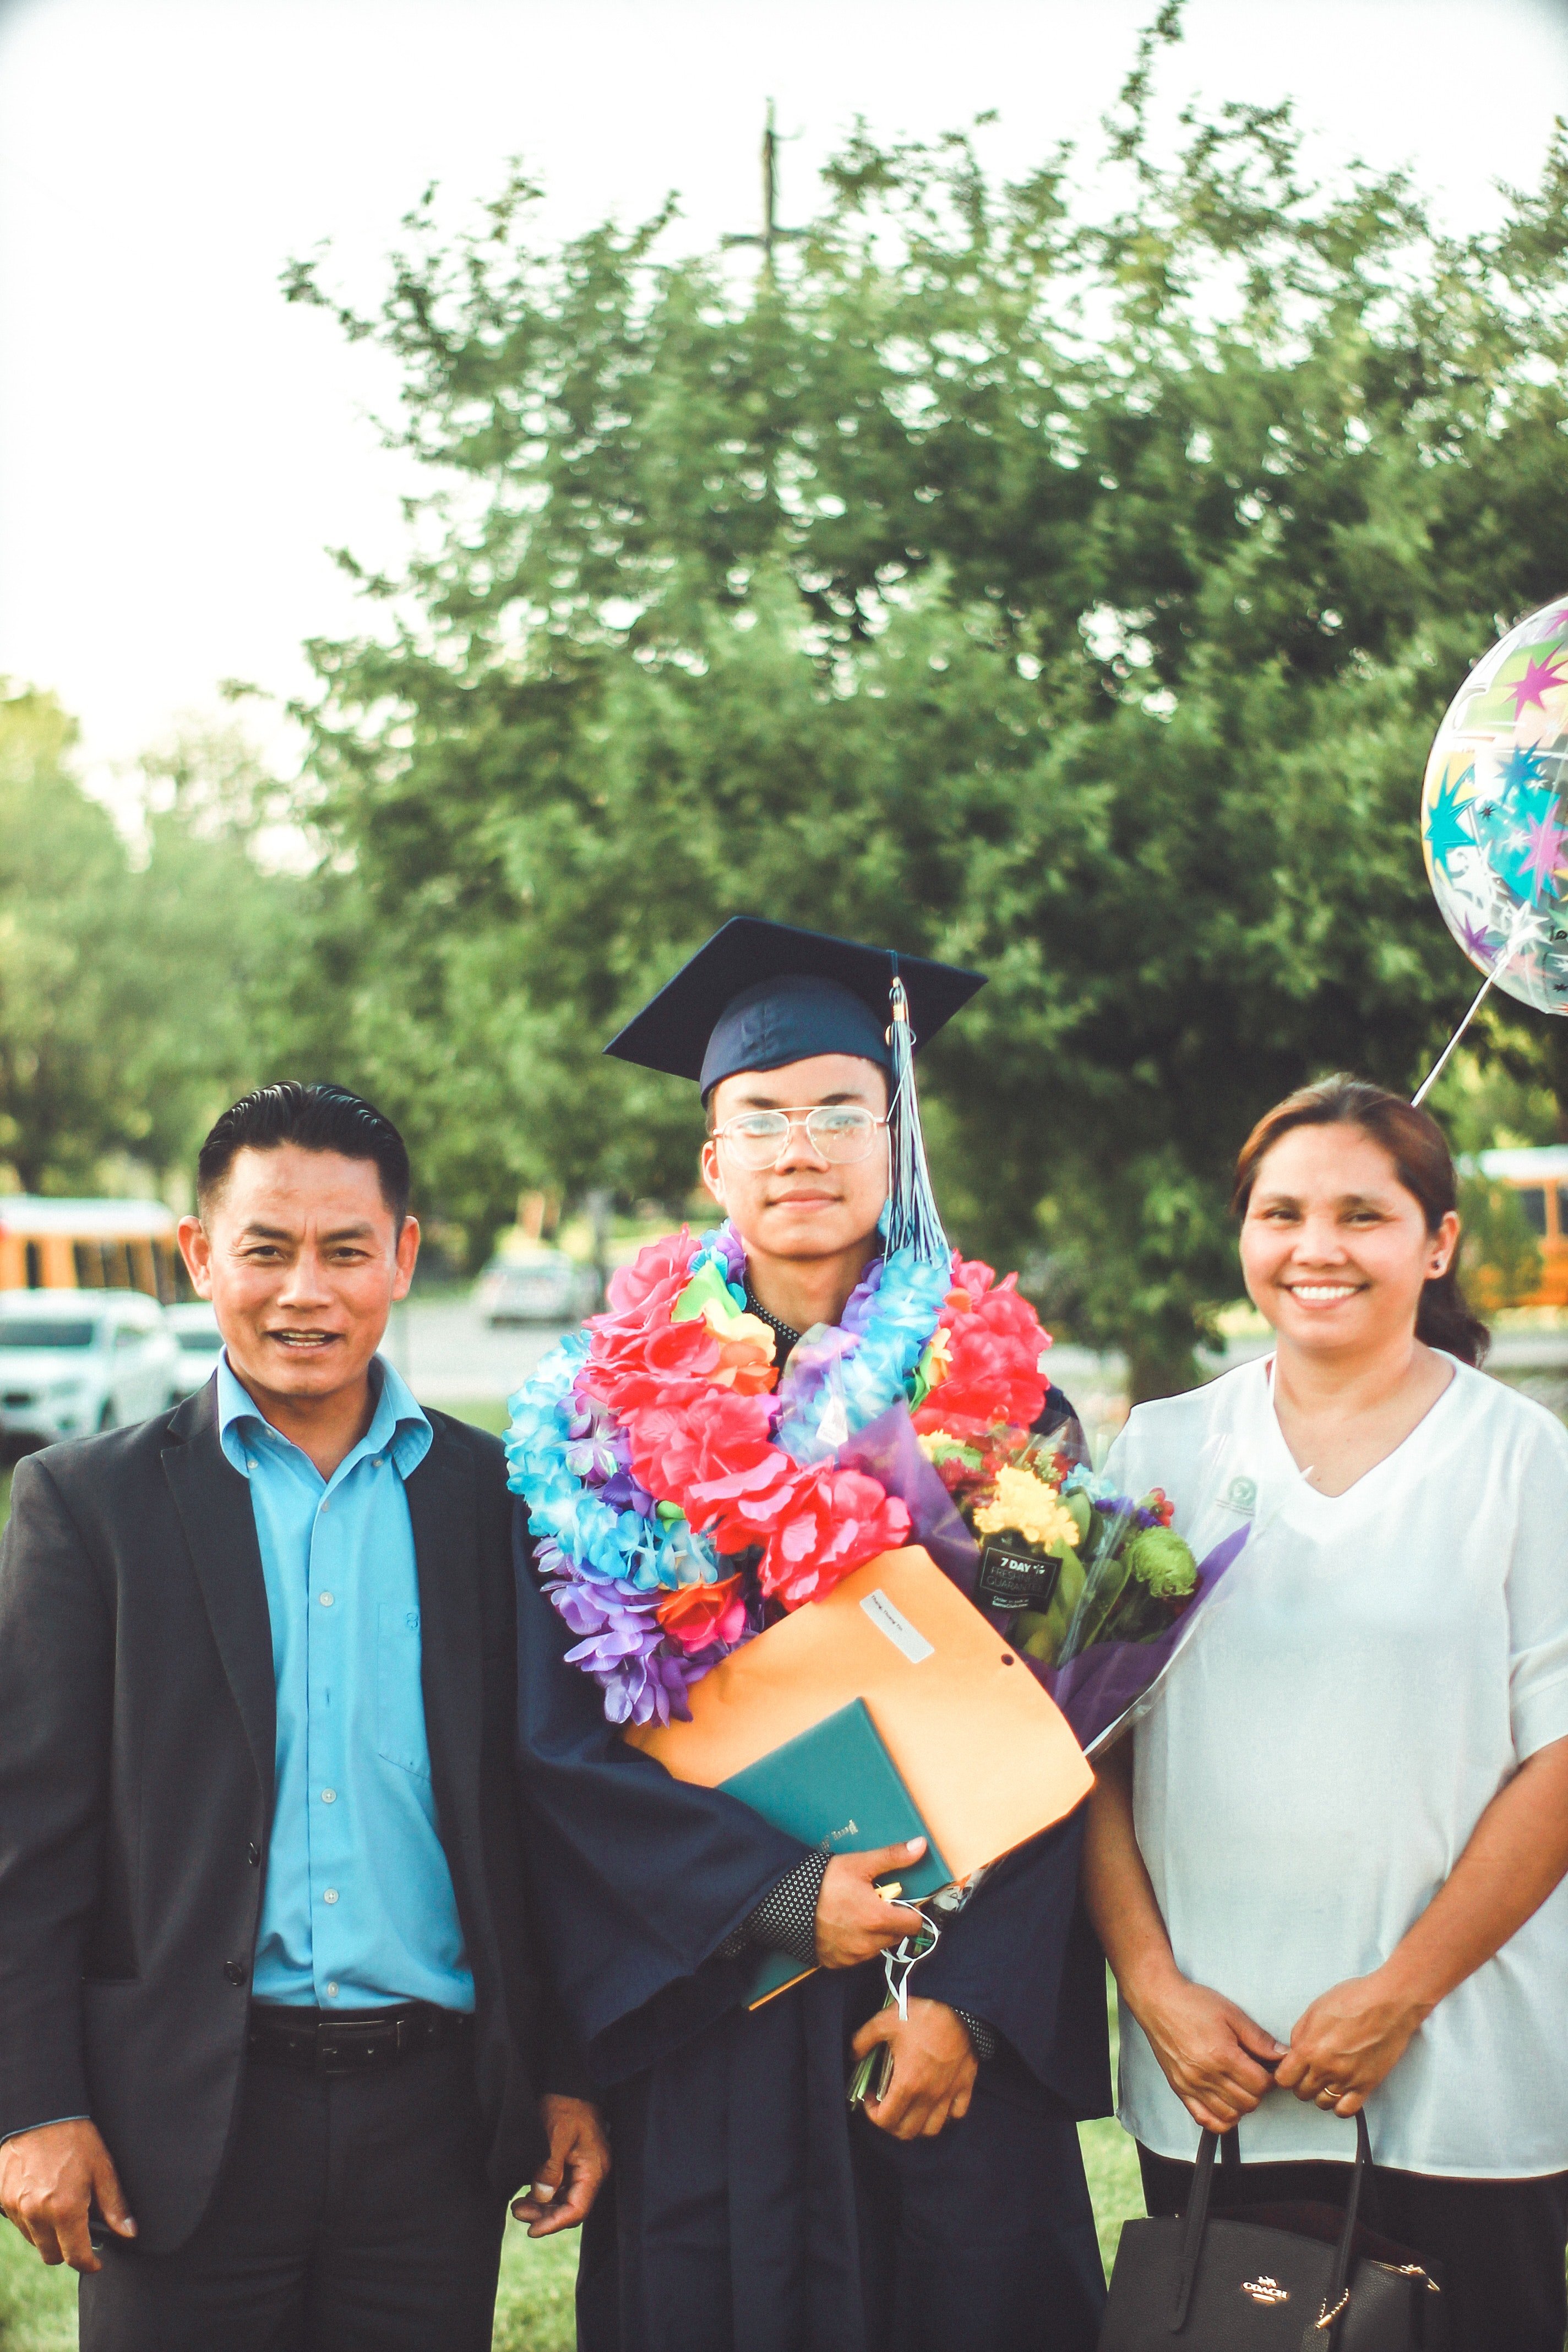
x: 137, y: 1735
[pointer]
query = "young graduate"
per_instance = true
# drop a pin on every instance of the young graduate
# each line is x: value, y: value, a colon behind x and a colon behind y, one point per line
x: 750, y: 2209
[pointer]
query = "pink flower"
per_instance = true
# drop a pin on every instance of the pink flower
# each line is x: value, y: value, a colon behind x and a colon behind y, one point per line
x: 652, y: 1268
x: 630, y: 1369
x: 994, y: 1349
x: 677, y: 1450
x: 839, y: 1519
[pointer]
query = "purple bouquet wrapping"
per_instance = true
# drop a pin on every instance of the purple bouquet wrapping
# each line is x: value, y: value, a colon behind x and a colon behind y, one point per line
x: 1096, y: 1589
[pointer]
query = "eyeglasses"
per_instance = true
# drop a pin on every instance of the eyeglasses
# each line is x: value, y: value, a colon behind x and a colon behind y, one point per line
x: 840, y: 1133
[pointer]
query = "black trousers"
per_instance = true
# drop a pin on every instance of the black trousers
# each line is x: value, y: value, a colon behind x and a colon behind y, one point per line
x: 352, y: 2215
x: 1497, y: 2245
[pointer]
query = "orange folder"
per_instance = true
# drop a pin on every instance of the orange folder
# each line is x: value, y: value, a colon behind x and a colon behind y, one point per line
x: 988, y: 1757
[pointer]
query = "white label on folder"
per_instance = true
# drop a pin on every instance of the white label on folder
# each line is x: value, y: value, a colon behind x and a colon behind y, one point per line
x: 897, y: 1627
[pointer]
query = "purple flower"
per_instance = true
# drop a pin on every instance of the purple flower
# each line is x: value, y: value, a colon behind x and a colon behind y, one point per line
x: 862, y: 1299
x: 727, y: 1243
x: 621, y: 1643
x: 591, y: 1453
x: 622, y: 1493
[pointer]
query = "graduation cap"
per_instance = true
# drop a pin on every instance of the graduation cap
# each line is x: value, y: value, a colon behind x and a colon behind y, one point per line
x: 761, y: 994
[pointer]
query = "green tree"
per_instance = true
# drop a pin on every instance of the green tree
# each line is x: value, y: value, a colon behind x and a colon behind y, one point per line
x: 136, y: 992
x: 1067, y: 585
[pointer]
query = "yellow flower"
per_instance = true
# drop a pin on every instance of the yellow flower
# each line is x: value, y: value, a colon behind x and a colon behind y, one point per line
x: 1028, y: 1506
x: 748, y: 1328
x: 745, y: 1351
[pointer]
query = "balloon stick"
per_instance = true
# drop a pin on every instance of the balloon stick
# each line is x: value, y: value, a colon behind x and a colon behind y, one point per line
x: 1435, y: 1072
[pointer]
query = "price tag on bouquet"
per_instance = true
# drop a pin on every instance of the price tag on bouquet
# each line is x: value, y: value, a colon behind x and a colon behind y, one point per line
x: 1010, y: 1577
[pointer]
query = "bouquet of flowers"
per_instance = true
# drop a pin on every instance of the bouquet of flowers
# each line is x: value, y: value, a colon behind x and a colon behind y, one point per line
x: 1097, y: 1588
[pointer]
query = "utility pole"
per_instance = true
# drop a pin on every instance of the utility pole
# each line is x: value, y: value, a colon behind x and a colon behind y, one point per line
x: 772, y: 234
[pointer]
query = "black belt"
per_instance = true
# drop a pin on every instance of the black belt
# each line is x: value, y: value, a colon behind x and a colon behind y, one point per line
x: 352, y: 2041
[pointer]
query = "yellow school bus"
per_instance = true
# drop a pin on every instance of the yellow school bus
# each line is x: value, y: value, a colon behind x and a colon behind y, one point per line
x: 1539, y: 1181
x: 49, y: 1245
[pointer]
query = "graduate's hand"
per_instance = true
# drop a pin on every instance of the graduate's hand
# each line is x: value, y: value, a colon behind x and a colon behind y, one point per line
x: 1217, y: 2062
x: 853, y: 1922
x: 562, y: 2192
x: 50, y: 2179
x: 934, y: 2068
x: 1348, y: 2040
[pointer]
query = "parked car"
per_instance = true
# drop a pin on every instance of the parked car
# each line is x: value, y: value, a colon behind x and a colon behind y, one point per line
x: 199, y: 1341
x: 76, y: 1360
x: 542, y: 1286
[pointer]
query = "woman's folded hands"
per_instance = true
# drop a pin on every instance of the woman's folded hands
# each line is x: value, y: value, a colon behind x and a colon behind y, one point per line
x: 1346, y: 2041
x: 1220, y: 2063
x: 1217, y: 2060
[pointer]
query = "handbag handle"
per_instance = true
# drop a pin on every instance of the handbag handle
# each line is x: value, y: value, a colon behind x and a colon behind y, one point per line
x: 1322, y: 2333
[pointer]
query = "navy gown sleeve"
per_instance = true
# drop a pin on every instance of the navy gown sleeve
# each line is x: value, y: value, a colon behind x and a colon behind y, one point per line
x: 1022, y: 1955
x: 637, y: 1877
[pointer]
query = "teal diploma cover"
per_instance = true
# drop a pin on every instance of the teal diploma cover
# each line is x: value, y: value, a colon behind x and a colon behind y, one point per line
x: 835, y: 1785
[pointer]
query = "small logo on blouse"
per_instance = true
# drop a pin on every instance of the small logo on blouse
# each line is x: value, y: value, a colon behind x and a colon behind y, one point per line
x: 1240, y: 1497
x: 1266, y: 2290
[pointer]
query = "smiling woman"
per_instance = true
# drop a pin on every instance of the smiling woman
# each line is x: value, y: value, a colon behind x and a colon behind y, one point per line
x: 1307, y: 1864
x: 1349, y: 1239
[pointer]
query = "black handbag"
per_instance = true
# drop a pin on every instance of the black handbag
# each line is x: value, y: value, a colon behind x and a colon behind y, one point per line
x: 1269, y: 2279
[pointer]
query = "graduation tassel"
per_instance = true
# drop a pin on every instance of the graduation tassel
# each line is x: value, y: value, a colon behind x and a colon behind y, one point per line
x: 913, y: 1220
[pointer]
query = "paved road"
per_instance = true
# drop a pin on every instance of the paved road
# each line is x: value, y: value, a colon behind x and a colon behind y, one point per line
x: 449, y: 1356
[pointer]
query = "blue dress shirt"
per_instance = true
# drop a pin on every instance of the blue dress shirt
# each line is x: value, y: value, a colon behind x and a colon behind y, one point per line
x: 358, y: 1910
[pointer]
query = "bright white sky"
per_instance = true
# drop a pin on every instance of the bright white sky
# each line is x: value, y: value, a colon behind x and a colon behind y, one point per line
x: 179, y: 449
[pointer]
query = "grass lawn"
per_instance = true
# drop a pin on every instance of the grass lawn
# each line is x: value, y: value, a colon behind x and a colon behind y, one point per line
x: 533, y: 2309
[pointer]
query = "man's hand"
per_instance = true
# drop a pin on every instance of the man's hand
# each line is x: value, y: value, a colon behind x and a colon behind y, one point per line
x: 1348, y: 2040
x: 49, y: 2179
x: 1217, y: 2062
x: 933, y: 2069
x: 579, y: 2157
x: 853, y: 1922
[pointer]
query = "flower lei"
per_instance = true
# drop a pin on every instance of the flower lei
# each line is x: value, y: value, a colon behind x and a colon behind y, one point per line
x: 659, y: 1445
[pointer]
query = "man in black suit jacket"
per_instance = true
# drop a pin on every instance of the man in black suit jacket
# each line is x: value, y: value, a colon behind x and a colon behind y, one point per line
x: 308, y: 2164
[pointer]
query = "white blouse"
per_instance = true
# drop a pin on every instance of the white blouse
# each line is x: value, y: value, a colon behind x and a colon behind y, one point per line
x: 1374, y: 1669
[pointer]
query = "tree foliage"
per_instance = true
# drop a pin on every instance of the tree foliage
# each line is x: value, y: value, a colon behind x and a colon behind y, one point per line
x: 136, y: 991
x: 1064, y: 582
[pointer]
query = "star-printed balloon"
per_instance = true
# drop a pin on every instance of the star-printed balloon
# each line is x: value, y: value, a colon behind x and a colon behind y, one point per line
x: 1494, y: 812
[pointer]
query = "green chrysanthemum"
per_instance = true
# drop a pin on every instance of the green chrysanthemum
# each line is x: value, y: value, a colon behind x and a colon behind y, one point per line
x: 1162, y: 1562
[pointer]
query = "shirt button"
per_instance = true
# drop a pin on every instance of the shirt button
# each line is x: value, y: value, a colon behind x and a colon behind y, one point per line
x: 253, y: 1856
x: 326, y: 1600
x: 326, y: 1506
x: 250, y: 1461
x: 334, y: 1990
x: 331, y: 1896
x: 329, y: 1796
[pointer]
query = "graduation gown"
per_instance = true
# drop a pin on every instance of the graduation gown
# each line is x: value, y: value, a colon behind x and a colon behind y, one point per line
x: 749, y: 2210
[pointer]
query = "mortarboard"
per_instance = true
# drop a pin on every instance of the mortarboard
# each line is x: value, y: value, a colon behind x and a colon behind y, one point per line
x: 761, y: 994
